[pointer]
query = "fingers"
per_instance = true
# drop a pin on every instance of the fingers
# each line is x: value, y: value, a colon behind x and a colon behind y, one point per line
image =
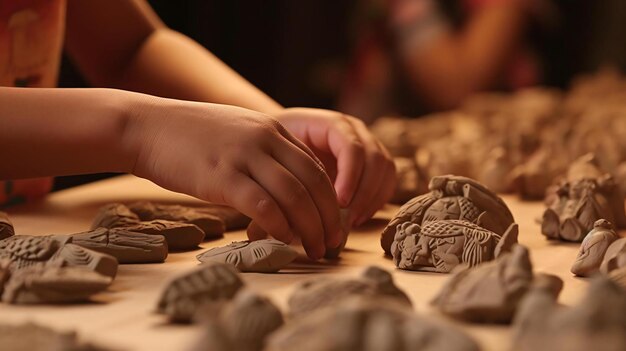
x: 244, y: 194
x: 255, y: 232
x: 383, y: 193
x: 295, y: 199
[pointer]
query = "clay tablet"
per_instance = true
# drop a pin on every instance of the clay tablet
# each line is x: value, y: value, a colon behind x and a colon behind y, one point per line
x: 598, y: 322
x: 33, y: 337
x: 188, y: 293
x: 593, y: 248
x: 6, y: 227
x: 212, y: 226
x: 368, y: 324
x: 179, y: 236
x: 265, y: 256
x: 124, y: 245
x: 488, y: 292
x: 39, y: 284
x: 615, y: 256
x: 319, y: 293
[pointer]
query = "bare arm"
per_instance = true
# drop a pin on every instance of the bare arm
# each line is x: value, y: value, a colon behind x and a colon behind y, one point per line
x: 123, y: 44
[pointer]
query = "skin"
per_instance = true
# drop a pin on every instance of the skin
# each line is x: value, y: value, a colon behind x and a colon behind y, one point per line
x: 290, y: 170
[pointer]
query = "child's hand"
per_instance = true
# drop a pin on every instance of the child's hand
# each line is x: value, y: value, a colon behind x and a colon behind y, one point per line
x: 360, y: 166
x: 244, y: 159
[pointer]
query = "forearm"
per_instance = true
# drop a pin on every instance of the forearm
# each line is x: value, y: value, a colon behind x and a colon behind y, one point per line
x: 169, y: 64
x: 64, y: 131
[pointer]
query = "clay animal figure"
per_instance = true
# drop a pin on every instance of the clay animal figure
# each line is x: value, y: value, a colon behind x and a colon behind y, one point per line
x: 488, y: 292
x: 368, y: 324
x: 34, y: 337
x: 265, y: 256
x: 56, y: 251
x: 114, y: 216
x: 615, y: 256
x: 593, y: 248
x: 44, y: 284
x: 212, y: 226
x: 124, y: 245
x: 584, y: 196
x: 191, y: 291
x: 6, y: 227
x: 179, y: 236
x: 452, y: 197
x: 328, y: 292
x: 440, y: 246
x: 597, y: 322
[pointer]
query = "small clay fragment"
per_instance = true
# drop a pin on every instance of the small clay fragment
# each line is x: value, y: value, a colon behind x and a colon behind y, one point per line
x: 6, y: 227
x: 186, y: 294
x: 439, y: 246
x: 211, y: 225
x: 39, y: 284
x: 264, y: 256
x: 452, y: 197
x: 593, y: 248
x: 615, y: 256
x: 34, y: 337
x: 124, y: 245
x: 597, y: 322
x: 179, y: 236
x: 320, y: 293
x: 488, y: 292
x: 114, y: 216
x: 233, y: 219
x: 368, y: 324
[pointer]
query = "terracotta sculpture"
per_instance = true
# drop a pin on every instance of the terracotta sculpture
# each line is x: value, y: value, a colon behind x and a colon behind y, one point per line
x: 6, y: 227
x: 211, y: 225
x: 489, y: 292
x: 452, y: 197
x: 615, y: 256
x: 126, y: 246
x: 34, y: 337
x: 598, y: 322
x: 55, y: 251
x: 44, y: 284
x: 189, y: 292
x: 368, y: 324
x: 584, y: 196
x: 593, y: 248
x: 265, y: 256
x: 326, y: 292
x: 440, y: 246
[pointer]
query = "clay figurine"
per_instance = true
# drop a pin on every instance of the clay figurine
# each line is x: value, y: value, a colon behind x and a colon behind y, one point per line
x: 327, y: 292
x: 584, y: 196
x: 114, y: 216
x: 615, y: 256
x: 34, y: 337
x: 211, y: 225
x: 264, y: 256
x: 40, y: 284
x: 597, y: 322
x: 488, y: 292
x: 6, y: 227
x: 179, y: 236
x: 368, y: 324
x: 452, y: 197
x: 188, y: 293
x: 55, y: 251
x: 593, y: 248
x: 439, y: 246
x: 233, y: 219
x: 124, y: 245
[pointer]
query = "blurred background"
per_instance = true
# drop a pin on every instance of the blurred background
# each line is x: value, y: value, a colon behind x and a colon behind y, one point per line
x: 373, y: 58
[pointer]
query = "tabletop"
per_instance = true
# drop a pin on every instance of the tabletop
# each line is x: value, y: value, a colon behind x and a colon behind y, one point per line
x: 123, y: 317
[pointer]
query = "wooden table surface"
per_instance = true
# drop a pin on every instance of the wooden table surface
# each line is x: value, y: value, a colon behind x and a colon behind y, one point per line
x: 123, y: 316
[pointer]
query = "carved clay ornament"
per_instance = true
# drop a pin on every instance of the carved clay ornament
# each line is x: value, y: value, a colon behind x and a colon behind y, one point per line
x: 615, y: 256
x: 452, y: 197
x: 211, y: 225
x: 190, y: 292
x: 126, y: 246
x: 6, y: 227
x: 264, y: 256
x: 440, y: 246
x: 44, y: 284
x: 368, y: 324
x: 114, y: 216
x: 593, y: 248
x: 179, y: 236
x: 597, y: 322
x: 488, y: 292
x: 326, y: 292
